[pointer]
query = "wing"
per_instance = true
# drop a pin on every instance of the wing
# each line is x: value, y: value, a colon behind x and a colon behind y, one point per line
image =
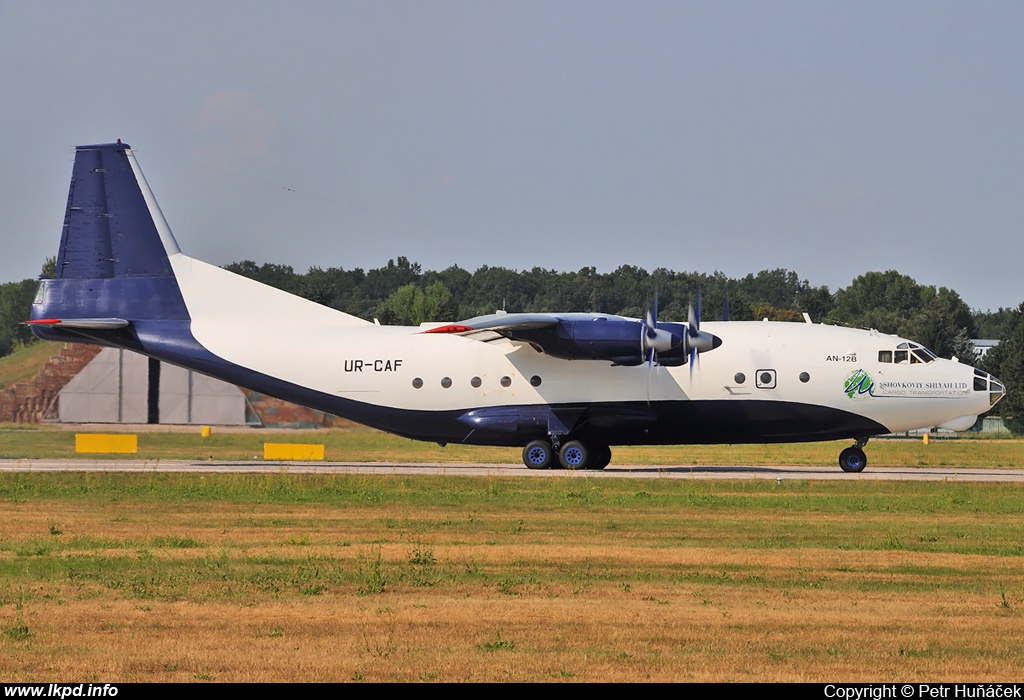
x: 620, y: 340
x: 494, y: 326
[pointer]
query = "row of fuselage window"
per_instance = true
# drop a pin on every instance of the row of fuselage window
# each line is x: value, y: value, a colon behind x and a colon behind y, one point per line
x: 475, y: 382
x: 766, y: 379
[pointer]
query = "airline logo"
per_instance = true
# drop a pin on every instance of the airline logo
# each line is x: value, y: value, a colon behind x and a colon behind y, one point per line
x: 859, y: 385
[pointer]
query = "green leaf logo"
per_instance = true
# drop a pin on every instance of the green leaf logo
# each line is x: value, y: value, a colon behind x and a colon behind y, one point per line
x: 859, y: 385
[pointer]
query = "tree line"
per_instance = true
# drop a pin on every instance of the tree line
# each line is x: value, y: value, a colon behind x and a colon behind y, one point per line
x: 401, y: 292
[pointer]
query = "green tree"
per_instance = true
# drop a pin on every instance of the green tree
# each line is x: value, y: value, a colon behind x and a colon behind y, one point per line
x: 991, y: 324
x: 772, y: 314
x: 15, y: 307
x: 816, y: 302
x: 777, y: 288
x: 886, y: 301
x: 456, y: 281
x: 895, y: 303
x: 404, y: 307
x: 1006, y: 362
x: 411, y: 306
x: 438, y: 304
x: 1011, y: 373
x: 963, y: 348
x: 280, y: 276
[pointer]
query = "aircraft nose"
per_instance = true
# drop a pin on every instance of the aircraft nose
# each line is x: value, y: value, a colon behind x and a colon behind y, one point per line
x: 983, y: 381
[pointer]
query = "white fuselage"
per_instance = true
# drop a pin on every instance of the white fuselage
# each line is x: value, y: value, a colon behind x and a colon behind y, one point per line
x: 305, y: 344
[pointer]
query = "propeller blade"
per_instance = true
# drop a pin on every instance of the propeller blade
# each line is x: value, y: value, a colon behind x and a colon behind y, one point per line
x: 693, y: 318
x: 652, y: 319
x: 655, y: 340
x: 725, y: 306
x: 650, y: 371
x: 698, y: 341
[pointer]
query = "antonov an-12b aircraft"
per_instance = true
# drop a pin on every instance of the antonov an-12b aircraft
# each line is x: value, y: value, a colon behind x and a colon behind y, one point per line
x: 564, y: 387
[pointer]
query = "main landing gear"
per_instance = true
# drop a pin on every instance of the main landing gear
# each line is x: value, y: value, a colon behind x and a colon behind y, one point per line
x: 853, y: 459
x: 574, y: 454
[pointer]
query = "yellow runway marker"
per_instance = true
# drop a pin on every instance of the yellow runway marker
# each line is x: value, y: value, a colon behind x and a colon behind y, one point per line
x: 107, y: 442
x: 295, y: 451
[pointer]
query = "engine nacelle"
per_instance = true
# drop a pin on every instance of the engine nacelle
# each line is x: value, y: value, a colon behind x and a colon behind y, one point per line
x: 622, y: 341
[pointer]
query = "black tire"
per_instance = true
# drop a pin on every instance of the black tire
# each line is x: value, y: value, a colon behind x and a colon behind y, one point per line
x: 853, y: 460
x: 538, y: 454
x: 600, y: 458
x: 574, y: 455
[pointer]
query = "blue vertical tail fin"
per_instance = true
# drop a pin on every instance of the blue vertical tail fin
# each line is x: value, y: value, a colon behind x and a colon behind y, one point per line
x: 113, y: 265
x: 112, y: 226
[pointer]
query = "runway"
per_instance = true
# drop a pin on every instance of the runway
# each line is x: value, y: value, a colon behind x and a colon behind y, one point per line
x: 776, y: 473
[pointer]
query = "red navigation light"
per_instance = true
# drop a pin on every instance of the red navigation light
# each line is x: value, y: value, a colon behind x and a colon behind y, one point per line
x: 450, y: 328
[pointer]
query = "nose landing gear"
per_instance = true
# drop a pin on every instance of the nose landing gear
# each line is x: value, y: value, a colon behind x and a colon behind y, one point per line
x: 853, y: 459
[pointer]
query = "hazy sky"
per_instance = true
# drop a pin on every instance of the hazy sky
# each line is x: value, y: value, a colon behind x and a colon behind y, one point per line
x: 825, y: 137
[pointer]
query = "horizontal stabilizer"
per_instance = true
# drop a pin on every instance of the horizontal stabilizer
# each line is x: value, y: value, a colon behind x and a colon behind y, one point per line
x: 90, y: 323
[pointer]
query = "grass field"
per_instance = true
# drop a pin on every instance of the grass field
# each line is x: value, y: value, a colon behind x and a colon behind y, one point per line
x: 140, y: 577
x: 359, y: 444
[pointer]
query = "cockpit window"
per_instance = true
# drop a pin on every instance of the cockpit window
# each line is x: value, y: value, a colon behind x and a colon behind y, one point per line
x: 885, y: 355
x: 922, y: 355
x: 910, y: 352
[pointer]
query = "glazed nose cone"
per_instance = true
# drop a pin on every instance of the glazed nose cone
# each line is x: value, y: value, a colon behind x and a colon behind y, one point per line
x: 983, y: 381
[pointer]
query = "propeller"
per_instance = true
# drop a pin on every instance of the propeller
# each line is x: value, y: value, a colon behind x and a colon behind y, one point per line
x: 698, y: 341
x: 654, y: 340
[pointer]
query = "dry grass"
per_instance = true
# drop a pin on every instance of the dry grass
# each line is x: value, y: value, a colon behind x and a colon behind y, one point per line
x: 144, y: 578
x: 653, y: 633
